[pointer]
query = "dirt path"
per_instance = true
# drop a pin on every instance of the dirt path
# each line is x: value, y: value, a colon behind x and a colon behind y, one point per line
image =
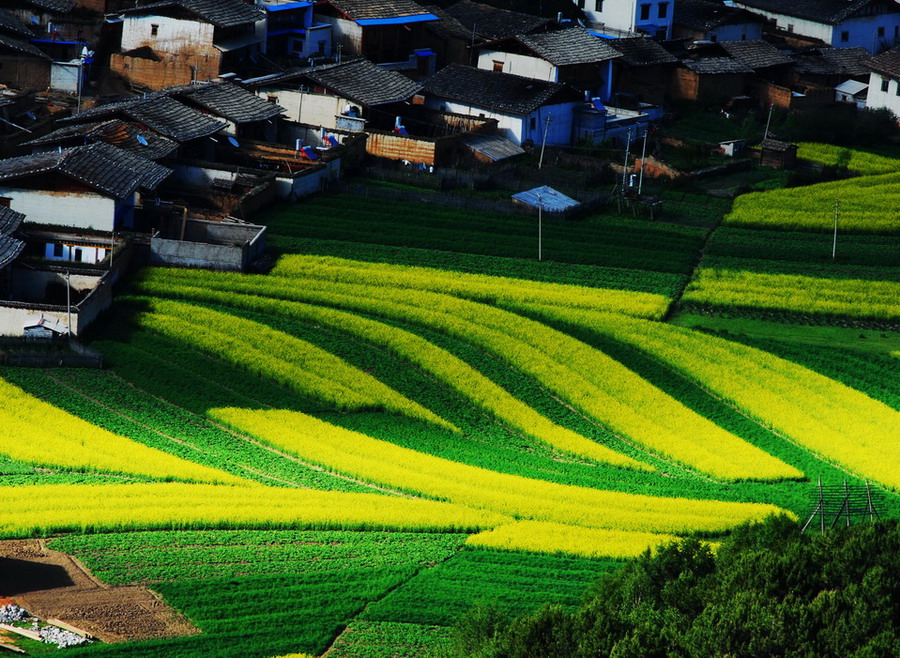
x: 50, y: 584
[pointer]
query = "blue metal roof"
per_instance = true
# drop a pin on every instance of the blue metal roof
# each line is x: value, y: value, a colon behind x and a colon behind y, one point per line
x: 546, y: 198
x: 398, y: 20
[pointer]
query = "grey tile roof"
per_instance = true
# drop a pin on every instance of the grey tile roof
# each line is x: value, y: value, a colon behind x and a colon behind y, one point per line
x: 119, y: 133
x: 716, y: 65
x: 221, y: 13
x: 887, y: 63
x: 12, y: 24
x: 493, y: 23
x: 107, y: 169
x: 512, y: 94
x: 10, y: 220
x: 776, y: 145
x: 360, y: 81
x: 755, y: 54
x: 448, y: 27
x: 58, y: 6
x: 704, y: 15
x: 821, y: 11
x: 10, y: 248
x: 359, y: 10
x: 20, y: 46
x: 564, y: 47
x: 158, y: 112
x: 231, y: 102
x: 640, y: 51
x: 493, y: 146
x: 833, y: 61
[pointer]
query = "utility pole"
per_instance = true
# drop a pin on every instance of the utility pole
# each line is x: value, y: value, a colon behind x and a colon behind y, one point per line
x: 68, y: 305
x: 643, y: 161
x: 837, y: 210
x: 544, y: 140
x: 540, y: 218
x: 769, y: 120
x: 625, y: 166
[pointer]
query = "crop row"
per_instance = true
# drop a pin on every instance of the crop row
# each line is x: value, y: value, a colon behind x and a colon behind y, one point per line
x: 593, y: 276
x: 387, y: 464
x: 858, y: 161
x: 514, y: 582
x: 845, y: 297
x: 471, y: 286
x: 39, y: 433
x: 444, y: 366
x: 584, y: 377
x: 289, y: 360
x: 142, y: 557
x: 54, y: 508
x: 870, y: 204
x: 821, y: 414
x: 386, y: 639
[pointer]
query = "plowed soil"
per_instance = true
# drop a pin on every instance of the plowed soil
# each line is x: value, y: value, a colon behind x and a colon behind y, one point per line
x: 50, y: 584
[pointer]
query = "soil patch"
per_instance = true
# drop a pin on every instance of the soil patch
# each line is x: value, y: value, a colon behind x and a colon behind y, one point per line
x: 51, y: 584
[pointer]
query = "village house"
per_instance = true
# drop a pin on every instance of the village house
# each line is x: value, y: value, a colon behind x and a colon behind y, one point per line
x: 10, y: 246
x: 570, y: 56
x: 176, y: 42
x: 829, y: 67
x: 870, y: 24
x: 389, y: 32
x: 709, y: 79
x: 616, y: 18
x: 22, y: 64
x: 526, y: 109
x: 643, y: 71
x: 487, y: 23
x: 245, y: 114
x: 125, y: 135
x: 702, y: 20
x: 884, y: 82
x: 291, y: 35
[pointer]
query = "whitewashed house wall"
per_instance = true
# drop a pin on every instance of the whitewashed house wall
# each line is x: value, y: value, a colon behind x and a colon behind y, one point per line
x: 524, y: 65
x: 172, y: 34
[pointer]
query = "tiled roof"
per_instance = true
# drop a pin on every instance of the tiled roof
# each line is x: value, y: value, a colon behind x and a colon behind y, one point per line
x: 639, y: 51
x: 105, y: 168
x: 10, y: 248
x: 755, y: 54
x: 361, y: 81
x: 12, y: 24
x: 704, y: 15
x: 565, y: 47
x: 10, y: 220
x: 775, y: 145
x: 715, y: 65
x: 359, y: 10
x: 887, y: 63
x: 833, y: 61
x: 221, y: 13
x: 158, y: 112
x: 820, y: 11
x: 447, y: 27
x: 492, y: 146
x: 231, y: 102
x: 58, y: 6
x: 116, y: 132
x: 20, y: 46
x: 494, y: 90
x: 493, y: 23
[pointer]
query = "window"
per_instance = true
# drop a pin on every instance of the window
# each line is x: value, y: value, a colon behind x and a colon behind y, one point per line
x: 881, y: 32
x: 598, y: 5
x: 57, y: 250
x: 320, y: 49
x: 663, y: 9
x: 154, y: 30
x: 645, y: 12
x: 845, y: 36
x: 744, y: 37
x: 897, y: 31
x: 790, y: 27
x: 897, y: 87
x: 884, y: 85
x: 498, y: 66
x: 78, y: 255
x: 581, y: 4
x: 532, y: 124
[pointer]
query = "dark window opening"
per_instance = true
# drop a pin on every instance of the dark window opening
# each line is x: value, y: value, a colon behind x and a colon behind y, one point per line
x: 645, y: 12
x: 845, y: 36
x: 154, y: 30
x: 663, y: 9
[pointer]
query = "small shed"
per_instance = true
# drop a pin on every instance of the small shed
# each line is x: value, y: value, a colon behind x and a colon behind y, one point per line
x: 852, y: 91
x: 546, y: 199
x: 777, y: 154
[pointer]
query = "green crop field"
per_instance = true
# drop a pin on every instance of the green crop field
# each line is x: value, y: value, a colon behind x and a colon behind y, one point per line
x: 410, y: 416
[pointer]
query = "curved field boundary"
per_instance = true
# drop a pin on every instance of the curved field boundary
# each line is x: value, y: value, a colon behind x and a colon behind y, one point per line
x: 84, y: 508
x: 36, y: 432
x: 385, y: 463
x: 831, y: 420
x: 862, y: 162
x: 586, y: 378
x: 446, y: 367
x: 297, y: 363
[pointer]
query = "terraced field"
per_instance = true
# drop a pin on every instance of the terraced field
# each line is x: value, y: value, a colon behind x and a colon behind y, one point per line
x: 356, y: 448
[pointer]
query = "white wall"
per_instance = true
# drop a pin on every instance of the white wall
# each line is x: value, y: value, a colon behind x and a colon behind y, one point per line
x: 83, y: 210
x: 314, y: 109
x: 346, y: 33
x: 92, y: 255
x: 524, y: 65
x: 878, y: 98
x: 518, y: 128
x: 173, y: 35
x: 626, y: 14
